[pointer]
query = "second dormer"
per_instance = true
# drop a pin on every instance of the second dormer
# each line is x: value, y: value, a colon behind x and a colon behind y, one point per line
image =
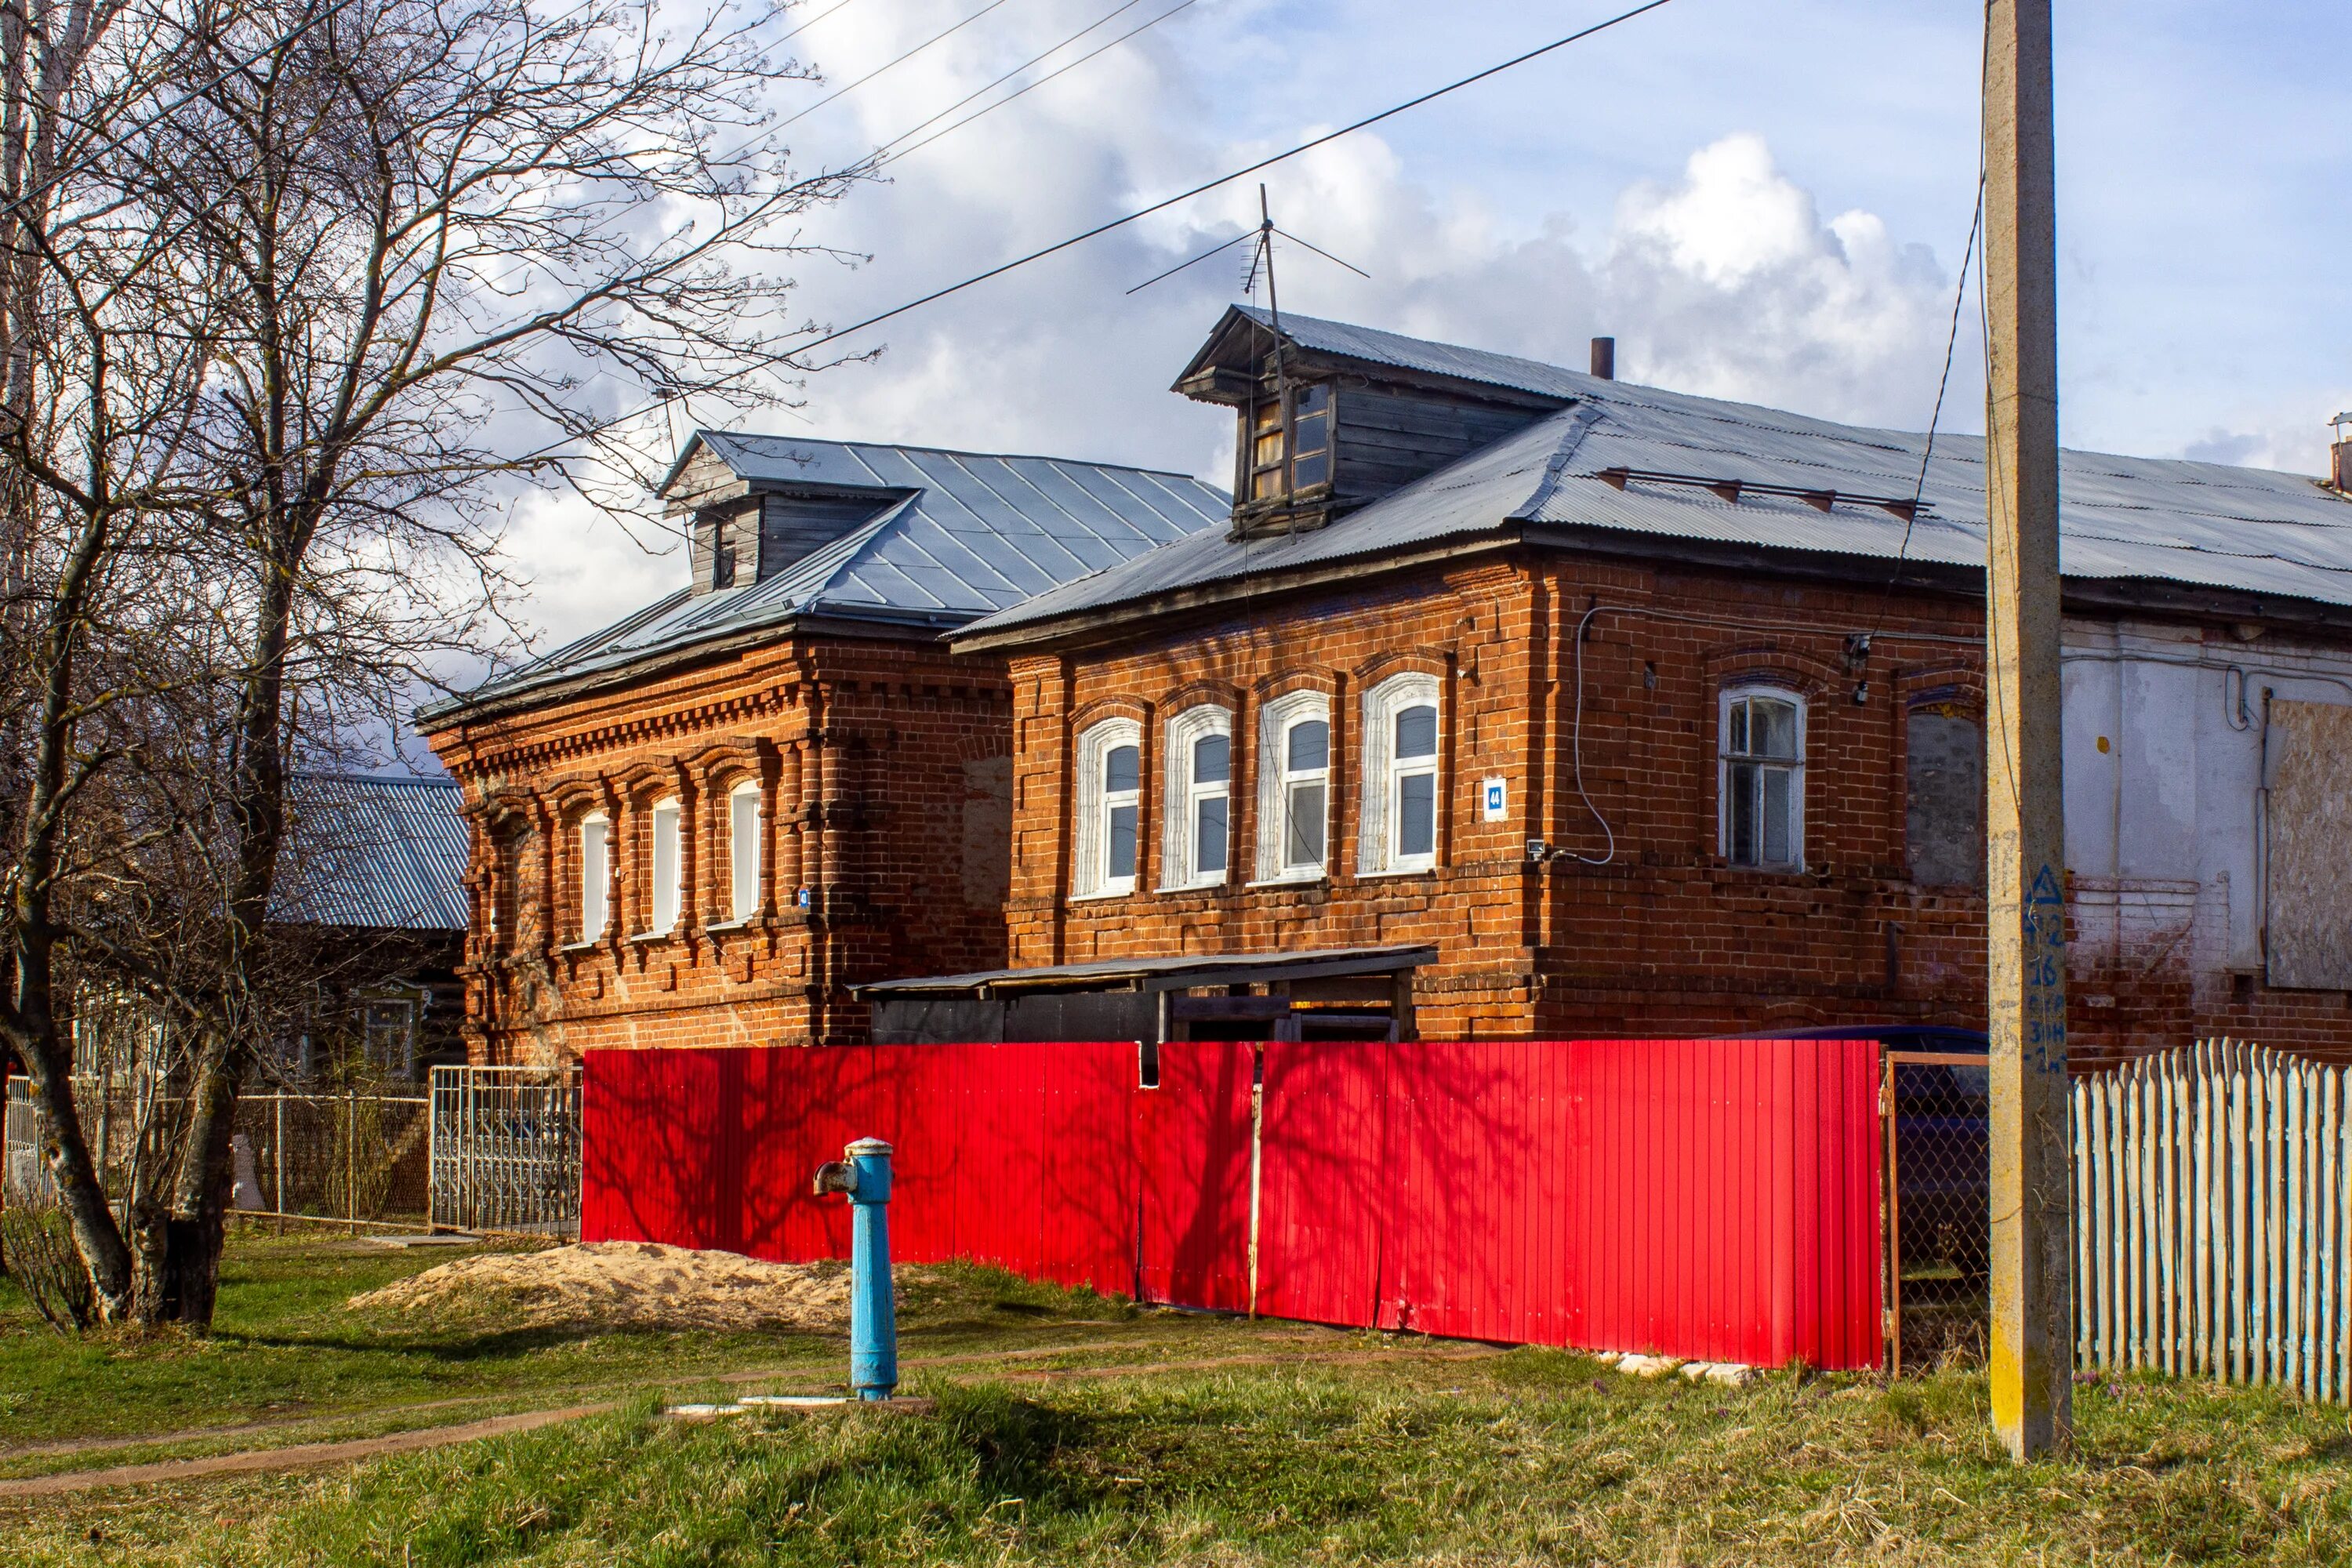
x: 1326, y: 424
x: 754, y: 507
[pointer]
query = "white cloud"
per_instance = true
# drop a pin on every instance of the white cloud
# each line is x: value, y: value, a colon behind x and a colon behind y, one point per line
x: 1758, y: 233
x: 1724, y: 280
x: 1728, y: 282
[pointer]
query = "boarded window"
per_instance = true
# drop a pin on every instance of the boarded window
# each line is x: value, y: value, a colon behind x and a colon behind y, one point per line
x: 1944, y: 826
x: 2307, y: 767
x: 987, y: 831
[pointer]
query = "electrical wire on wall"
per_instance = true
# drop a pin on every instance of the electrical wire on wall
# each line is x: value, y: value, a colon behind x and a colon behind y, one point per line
x: 1726, y: 622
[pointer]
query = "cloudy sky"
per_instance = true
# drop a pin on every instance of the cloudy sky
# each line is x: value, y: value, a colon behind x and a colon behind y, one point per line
x: 1767, y: 202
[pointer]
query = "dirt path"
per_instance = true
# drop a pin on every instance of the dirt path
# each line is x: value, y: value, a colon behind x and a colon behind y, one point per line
x: 302, y: 1456
x: 115, y: 1445
x: 306, y: 1456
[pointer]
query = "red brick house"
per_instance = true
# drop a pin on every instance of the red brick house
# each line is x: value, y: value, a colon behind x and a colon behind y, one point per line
x: 700, y: 825
x: 1659, y: 713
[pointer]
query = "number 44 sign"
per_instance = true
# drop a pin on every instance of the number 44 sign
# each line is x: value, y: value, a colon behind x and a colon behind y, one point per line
x: 1493, y: 801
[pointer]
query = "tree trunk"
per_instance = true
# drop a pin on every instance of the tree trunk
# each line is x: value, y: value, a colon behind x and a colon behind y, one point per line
x: 80, y: 1191
x: 191, y: 1263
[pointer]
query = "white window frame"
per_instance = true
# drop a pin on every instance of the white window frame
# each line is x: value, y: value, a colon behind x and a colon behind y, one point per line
x: 1090, y: 853
x: 745, y: 857
x: 1729, y: 697
x: 1377, y: 850
x: 665, y: 833
x: 1275, y: 721
x: 595, y: 876
x: 1179, y: 853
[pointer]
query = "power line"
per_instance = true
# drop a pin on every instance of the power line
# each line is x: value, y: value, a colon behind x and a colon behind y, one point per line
x: 881, y: 152
x: 1162, y: 205
x: 1207, y: 185
x: 1031, y: 86
x: 878, y: 71
x: 1943, y: 385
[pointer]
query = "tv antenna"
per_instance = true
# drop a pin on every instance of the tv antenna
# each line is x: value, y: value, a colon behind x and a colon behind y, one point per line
x: 1262, y: 263
x: 1261, y: 257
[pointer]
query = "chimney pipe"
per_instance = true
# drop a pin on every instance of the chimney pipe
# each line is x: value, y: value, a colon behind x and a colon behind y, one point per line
x: 1604, y: 358
x: 2339, y: 465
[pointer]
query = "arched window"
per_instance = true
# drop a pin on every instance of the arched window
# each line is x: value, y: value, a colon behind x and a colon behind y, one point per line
x: 1110, y: 798
x: 1198, y: 817
x: 1294, y: 794
x: 669, y: 867
x: 744, y: 820
x: 1399, y: 828
x: 595, y: 874
x: 1762, y: 773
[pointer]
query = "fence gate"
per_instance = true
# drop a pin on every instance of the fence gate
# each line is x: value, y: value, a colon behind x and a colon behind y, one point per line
x: 1935, y: 1112
x: 506, y: 1149
x: 23, y: 1178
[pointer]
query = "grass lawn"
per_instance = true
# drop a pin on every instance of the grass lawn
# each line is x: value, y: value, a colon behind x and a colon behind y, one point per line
x: 1321, y: 1455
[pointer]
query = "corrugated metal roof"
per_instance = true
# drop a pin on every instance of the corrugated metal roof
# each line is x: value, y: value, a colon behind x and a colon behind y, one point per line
x: 2200, y: 524
x: 376, y: 854
x: 953, y: 536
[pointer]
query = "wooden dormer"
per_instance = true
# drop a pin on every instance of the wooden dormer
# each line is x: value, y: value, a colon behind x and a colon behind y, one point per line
x: 1322, y: 433
x: 745, y: 527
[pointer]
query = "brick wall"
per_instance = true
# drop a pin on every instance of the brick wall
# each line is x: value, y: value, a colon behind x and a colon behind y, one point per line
x: 884, y: 773
x: 1657, y: 935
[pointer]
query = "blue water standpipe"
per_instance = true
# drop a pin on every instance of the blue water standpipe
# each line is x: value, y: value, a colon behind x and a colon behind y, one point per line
x: 864, y: 1174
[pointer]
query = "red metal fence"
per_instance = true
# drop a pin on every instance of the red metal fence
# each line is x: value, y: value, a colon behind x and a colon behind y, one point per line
x: 1716, y: 1199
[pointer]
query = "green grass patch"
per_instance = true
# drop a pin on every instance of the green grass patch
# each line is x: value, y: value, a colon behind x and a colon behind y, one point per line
x: 1525, y: 1457
x: 285, y: 1350
x: 1534, y: 1456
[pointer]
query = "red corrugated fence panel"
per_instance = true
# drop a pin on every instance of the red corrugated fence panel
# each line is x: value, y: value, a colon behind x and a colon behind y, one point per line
x: 1322, y: 1182
x: 1192, y: 1150
x: 1716, y: 1199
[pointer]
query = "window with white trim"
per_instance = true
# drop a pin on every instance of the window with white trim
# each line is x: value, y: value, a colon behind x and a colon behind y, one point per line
x: 1294, y: 792
x: 1198, y: 818
x: 669, y: 867
x: 743, y: 851
x: 1761, y: 752
x: 1398, y: 830
x: 1109, y: 805
x: 595, y: 874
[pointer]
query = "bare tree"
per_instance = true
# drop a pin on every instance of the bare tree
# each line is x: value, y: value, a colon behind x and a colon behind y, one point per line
x: 435, y: 222
x: 103, y: 352
x: 400, y: 240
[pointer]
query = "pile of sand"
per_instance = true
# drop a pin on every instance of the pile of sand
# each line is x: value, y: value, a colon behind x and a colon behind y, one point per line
x: 625, y: 1284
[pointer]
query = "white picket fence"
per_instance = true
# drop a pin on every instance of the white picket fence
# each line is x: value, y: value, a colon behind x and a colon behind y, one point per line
x: 2213, y: 1218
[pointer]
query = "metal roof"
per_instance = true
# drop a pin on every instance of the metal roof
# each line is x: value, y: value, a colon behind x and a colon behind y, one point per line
x: 1170, y: 974
x: 2204, y: 525
x: 375, y: 854
x: 952, y: 537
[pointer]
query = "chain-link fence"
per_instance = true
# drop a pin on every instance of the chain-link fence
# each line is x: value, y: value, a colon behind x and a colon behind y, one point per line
x: 506, y: 1149
x: 1939, y: 1214
x: 355, y: 1156
x: 350, y: 1156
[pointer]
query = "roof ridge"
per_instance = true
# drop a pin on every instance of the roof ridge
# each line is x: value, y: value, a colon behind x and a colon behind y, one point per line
x: 1579, y: 383
x: 941, y: 451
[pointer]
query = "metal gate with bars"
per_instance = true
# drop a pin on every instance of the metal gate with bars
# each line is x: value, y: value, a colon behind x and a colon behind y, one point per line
x: 506, y: 1149
x: 23, y: 1178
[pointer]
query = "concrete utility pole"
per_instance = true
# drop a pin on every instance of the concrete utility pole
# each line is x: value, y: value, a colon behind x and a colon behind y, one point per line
x: 2033, y: 1307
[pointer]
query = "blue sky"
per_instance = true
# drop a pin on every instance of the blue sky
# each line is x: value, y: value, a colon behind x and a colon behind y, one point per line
x: 1762, y: 202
